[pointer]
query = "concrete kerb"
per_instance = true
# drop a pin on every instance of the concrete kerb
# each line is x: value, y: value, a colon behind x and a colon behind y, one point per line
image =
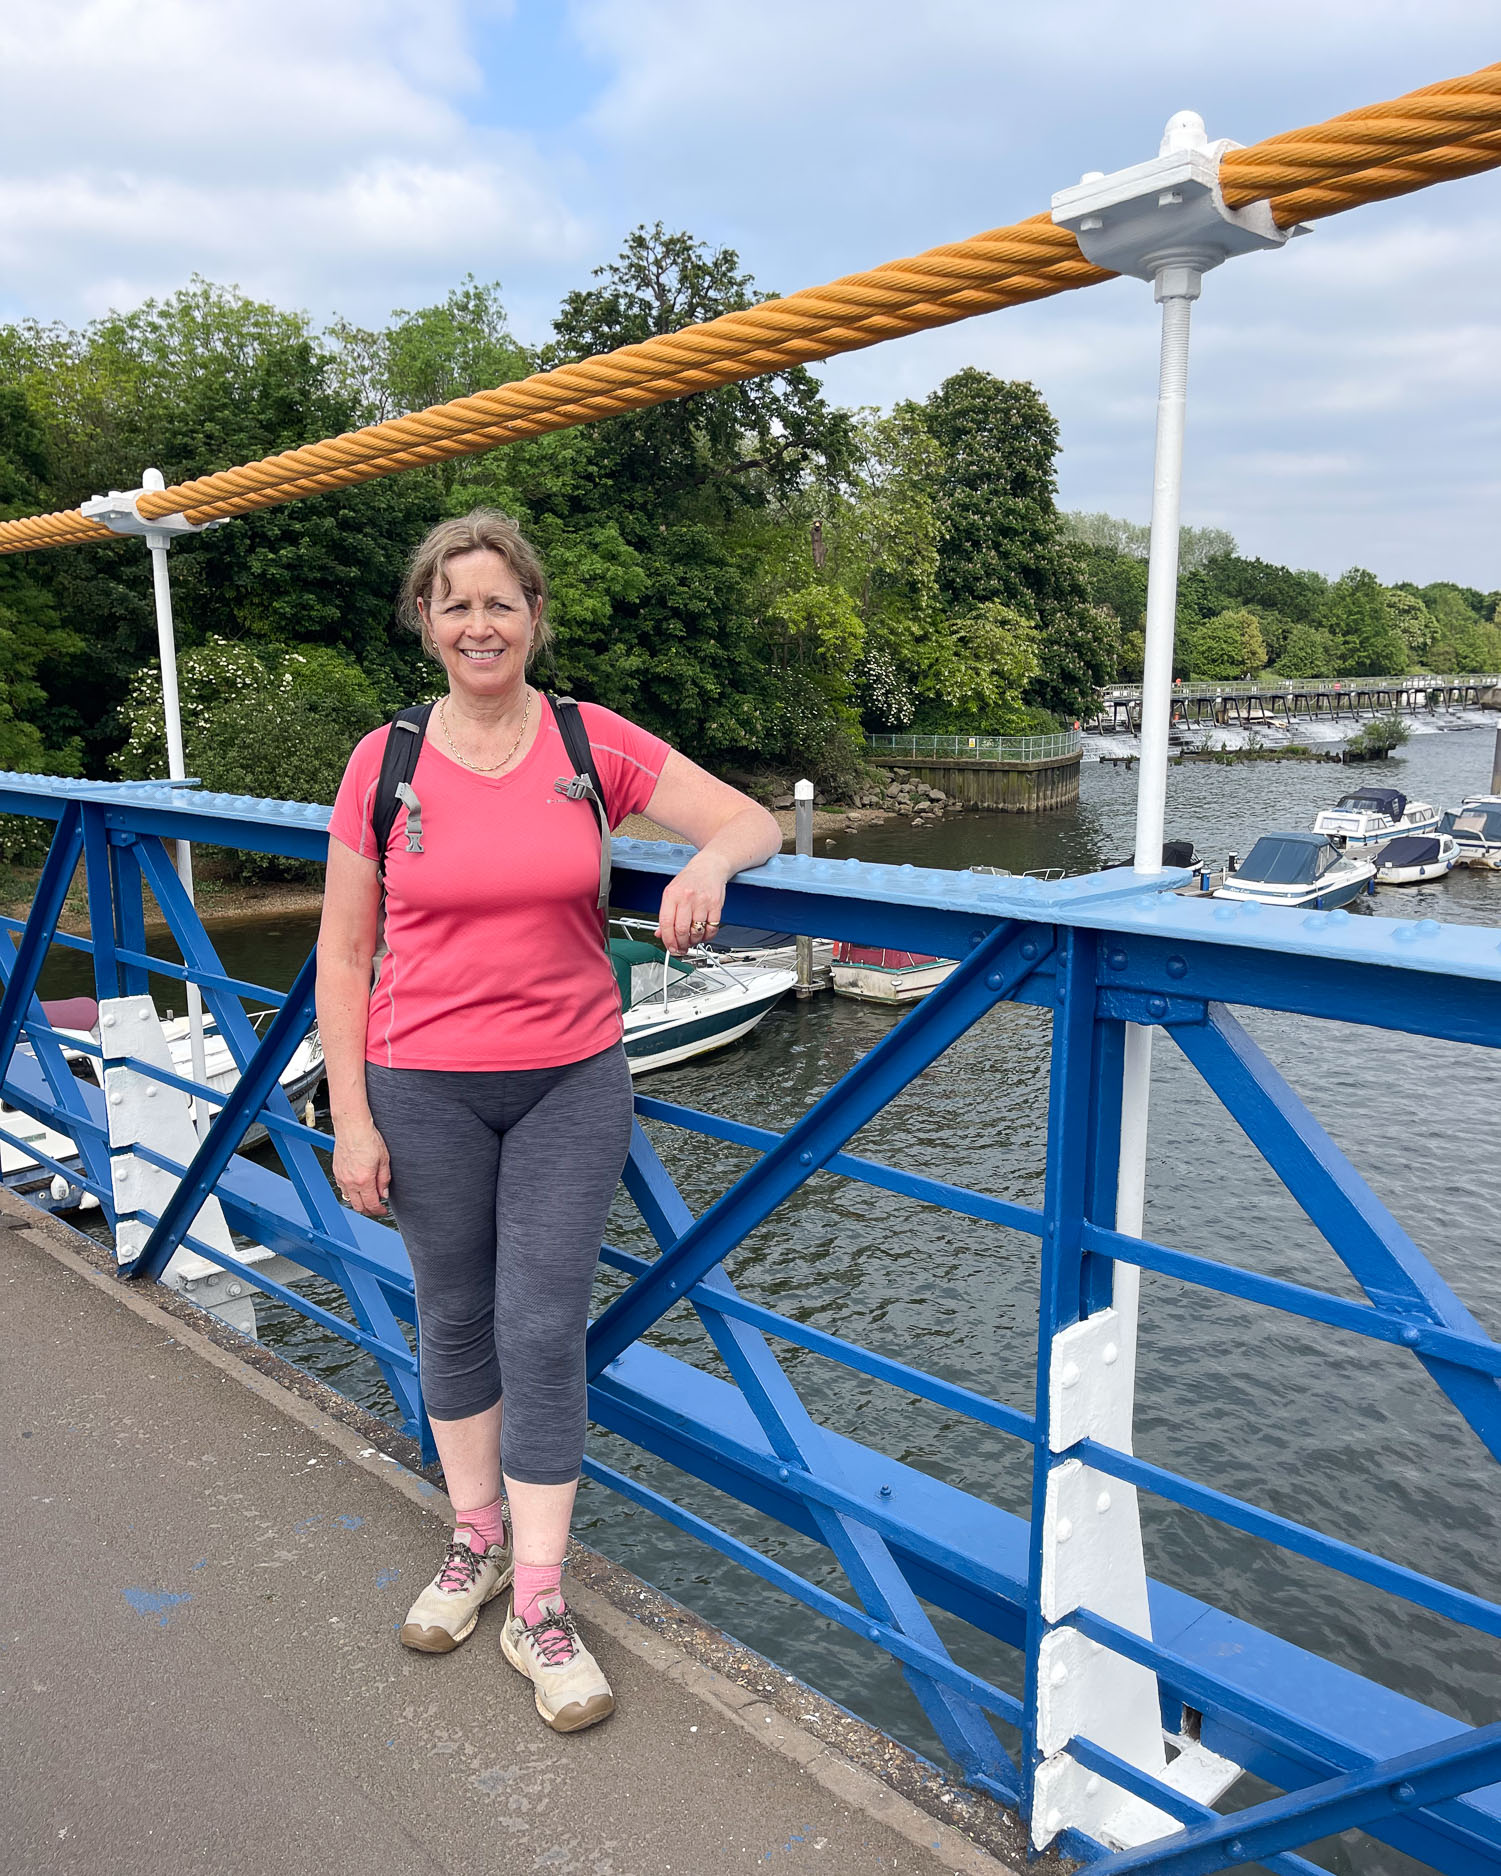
x: 855, y: 1762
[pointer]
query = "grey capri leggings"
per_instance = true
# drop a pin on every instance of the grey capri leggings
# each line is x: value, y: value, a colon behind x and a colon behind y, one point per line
x: 501, y: 1181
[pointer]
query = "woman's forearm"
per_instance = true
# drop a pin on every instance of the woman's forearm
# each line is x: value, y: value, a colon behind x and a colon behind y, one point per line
x: 746, y: 839
x: 343, y: 1015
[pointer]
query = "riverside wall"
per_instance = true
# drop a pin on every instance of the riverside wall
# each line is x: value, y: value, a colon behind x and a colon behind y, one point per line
x: 1000, y: 787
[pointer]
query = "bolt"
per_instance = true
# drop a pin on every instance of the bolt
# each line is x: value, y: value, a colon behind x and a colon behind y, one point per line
x: 805, y: 1157
x: 885, y: 1491
x: 1102, y: 1503
x: 672, y: 1283
x: 234, y: 1289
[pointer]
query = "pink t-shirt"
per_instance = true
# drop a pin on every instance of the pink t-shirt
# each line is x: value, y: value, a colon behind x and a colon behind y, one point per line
x: 494, y: 956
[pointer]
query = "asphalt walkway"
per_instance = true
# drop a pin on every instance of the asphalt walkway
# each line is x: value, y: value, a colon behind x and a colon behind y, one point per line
x: 199, y: 1670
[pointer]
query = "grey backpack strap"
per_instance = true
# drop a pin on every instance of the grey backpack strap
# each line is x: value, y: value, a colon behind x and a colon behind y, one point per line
x: 584, y: 784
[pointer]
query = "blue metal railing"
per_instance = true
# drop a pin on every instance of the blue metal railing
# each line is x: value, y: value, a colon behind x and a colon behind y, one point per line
x: 1098, y: 953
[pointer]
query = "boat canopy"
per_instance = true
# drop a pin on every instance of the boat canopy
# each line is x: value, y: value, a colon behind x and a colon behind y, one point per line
x: 1387, y: 801
x: 1410, y: 850
x: 1288, y: 859
x: 642, y: 971
x: 750, y: 938
x: 1474, y: 820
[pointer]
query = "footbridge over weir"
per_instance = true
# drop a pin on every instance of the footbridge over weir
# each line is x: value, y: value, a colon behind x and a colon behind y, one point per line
x: 1122, y: 1719
x: 1336, y: 700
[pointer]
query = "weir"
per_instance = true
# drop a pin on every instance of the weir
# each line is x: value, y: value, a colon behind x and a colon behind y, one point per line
x: 1099, y: 952
x: 1130, y: 1709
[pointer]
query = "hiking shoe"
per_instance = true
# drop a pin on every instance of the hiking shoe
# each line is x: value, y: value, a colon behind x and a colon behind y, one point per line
x: 570, y: 1690
x: 449, y: 1607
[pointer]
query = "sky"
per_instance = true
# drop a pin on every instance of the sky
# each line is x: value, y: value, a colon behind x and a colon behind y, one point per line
x: 353, y: 156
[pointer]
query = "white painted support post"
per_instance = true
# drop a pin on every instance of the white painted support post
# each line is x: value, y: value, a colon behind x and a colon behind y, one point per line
x: 802, y: 828
x: 166, y: 639
x: 1163, y: 221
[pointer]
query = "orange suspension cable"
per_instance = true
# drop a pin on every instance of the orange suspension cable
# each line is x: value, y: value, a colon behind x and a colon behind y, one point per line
x: 1448, y: 129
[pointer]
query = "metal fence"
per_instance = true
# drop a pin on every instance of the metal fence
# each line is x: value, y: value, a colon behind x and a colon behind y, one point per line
x: 1282, y: 686
x: 1140, y: 1705
x: 978, y: 748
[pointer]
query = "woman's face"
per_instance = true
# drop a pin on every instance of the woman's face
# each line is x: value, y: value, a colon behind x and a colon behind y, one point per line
x: 480, y: 622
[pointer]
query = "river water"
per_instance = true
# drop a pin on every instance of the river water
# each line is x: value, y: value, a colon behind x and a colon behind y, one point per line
x: 1331, y: 1429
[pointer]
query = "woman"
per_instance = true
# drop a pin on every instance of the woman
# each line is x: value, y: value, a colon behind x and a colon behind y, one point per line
x: 481, y: 1086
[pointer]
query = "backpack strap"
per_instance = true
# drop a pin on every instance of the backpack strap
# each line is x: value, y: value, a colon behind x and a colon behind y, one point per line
x: 584, y: 784
x: 398, y: 764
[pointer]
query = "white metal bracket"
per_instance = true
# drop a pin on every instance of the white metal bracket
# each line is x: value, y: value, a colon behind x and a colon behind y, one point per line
x: 1067, y: 1795
x: 119, y: 512
x: 143, y: 1112
x: 1168, y: 212
x: 1092, y: 1382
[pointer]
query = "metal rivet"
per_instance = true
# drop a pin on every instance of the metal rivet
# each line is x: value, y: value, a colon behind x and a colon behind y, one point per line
x: 116, y: 1099
x: 1403, y: 1793
x: 805, y: 1157
x: 234, y: 1289
x: 1062, y: 992
x: 783, y: 1474
x: 1102, y: 1503
x: 1411, y: 1337
x: 976, y: 938
x: 1117, y: 960
x: 1029, y: 950
x: 1091, y: 1785
x: 1110, y: 1355
x: 994, y: 981
x: 885, y: 1491
x: 1070, y: 1375
x: 109, y: 1022
x: 143, y: 1016
x: 672, y: 1283
x: 1236, y: 1848
x: 1177, y: 967
x: 1064, y: 1530
x: 873, y: 1632
x: 1157, y: 1006
x: 1059, y: 1674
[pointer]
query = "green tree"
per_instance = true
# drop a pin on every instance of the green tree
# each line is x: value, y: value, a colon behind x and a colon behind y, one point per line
x: 1003, y: 540
x: 1309, y: 651
x: 1414, y: 621
x: 461, y: 345
x: 35, y: 647
x: 1226, y: 646
x: 1370, y: 645
x: 981, y: 664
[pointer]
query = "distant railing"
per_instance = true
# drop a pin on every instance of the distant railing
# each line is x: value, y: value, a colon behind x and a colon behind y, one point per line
x: 979, y: 748
x: 1273, y: 686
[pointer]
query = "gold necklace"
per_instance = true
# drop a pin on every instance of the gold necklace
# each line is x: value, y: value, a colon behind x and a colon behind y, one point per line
x: 481, y: 768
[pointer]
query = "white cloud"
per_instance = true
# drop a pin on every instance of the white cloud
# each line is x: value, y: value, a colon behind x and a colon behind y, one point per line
x: 317, y: 154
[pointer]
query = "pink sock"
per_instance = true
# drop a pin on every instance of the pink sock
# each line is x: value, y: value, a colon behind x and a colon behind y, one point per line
x: 487, y: 1524
x: 534, y: 1583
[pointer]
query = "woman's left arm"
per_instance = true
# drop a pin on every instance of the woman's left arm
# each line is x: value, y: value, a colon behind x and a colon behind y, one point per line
x: 731, y: 833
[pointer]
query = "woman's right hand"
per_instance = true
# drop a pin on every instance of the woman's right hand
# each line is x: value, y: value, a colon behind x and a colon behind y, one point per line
x: 362, y: 1167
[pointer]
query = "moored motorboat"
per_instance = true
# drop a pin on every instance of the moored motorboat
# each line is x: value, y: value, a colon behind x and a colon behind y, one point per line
x: 75, y: 1021
x: 1299, y: 870
x: 748, y: 944
x: 677, y: 1008
x: 1411, y: 858
x: 1476, y: 827
x: 878, y: 975
x: 1368, y: 817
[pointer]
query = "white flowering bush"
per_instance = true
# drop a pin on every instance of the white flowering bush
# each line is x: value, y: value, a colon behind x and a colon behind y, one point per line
x: 278, y: 722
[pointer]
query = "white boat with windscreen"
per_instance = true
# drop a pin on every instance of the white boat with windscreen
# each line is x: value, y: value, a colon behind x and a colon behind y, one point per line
x: 676, y: 1008
x: 1412, y: 858
x: 1370, y: 816
x: 1476, y: 827
x: 1302, y: 871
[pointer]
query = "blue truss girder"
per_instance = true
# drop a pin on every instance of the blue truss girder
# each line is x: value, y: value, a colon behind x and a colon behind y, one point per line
x: 1100, y: 951
x: 1374, y: 1248
x: 873, y: 1573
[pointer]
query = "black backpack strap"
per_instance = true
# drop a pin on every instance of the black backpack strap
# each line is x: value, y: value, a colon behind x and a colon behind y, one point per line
x: 398, y: 764
x: 584, y: 784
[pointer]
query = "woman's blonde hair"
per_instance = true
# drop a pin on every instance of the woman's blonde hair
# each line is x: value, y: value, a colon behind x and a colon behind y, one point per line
x: 481, y: 530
